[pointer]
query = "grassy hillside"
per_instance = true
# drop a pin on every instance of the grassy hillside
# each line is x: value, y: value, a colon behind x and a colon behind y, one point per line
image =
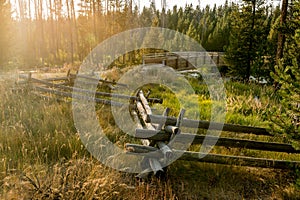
x: 42, y: 157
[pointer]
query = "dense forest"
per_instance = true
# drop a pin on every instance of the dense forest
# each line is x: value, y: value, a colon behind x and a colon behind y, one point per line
x: 42, y: 154
x: 56, y: 32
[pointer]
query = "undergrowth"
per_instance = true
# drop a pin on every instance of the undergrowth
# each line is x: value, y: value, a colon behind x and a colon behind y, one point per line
x: 42, y: 157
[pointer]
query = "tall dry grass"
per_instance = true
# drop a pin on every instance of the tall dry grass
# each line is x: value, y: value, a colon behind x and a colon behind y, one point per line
x: 42, y: 157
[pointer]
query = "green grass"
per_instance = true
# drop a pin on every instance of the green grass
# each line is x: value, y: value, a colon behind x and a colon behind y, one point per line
x: 42, y: 157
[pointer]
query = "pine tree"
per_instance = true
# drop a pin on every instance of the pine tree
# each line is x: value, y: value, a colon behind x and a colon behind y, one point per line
x: 218, y: 39
x: 247, y: 39
x: 286, y: 119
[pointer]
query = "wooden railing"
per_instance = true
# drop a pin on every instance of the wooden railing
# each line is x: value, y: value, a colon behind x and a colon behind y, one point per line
x: 185, y: 60
x: 157, y: 132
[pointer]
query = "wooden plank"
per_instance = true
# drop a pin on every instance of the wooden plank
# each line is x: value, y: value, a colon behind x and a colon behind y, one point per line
x: 143, y: 115
x: 166, y: 113
x: 239, y: 160
x: 154, y: 163
x: 147, y: 111
x: 172, y: 129
x: 96, y: 79
x: 140, y: 148
x: 166, y: 150
x: 139, y: 126
x: 222, y: 141
x: 145, y: 103
x: 70, y: 95
x: 206, y: 124
x: 29, y: 76
x: 53, y: 85
x: 180, y: 118
x: 225, y: 159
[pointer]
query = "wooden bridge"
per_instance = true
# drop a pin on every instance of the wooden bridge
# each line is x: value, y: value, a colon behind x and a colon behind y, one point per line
x: 182, y: 60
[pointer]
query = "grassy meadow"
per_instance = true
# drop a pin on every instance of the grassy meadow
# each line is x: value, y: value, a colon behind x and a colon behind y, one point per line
x: 42, y: 157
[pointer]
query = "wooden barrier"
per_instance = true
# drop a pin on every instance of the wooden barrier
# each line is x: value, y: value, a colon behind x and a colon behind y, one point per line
x: 158, y: 132
x: 49, y: 86
x: 161, y: 138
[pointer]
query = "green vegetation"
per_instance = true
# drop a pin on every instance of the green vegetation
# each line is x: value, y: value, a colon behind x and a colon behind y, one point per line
x: 250, y: 25
x: 42, y: 155
x: 286, y: 118
x: 67, y: 33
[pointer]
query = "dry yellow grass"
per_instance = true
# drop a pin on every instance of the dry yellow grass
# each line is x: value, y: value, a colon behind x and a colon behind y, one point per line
x: 41, y: 157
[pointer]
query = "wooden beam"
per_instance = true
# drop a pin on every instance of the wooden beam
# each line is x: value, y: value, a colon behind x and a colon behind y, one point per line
x: 226, y: 159
x: 222, y: 141
x: 53, y: 85
x: 70, y: 95
x: 153, y: 161
x: 140, y: 148
x: 96, y: 79
x: 172, y: 129
x: 166, y: 113
x: 145, y: 103
x: 139, y: 126
x: 206, y: 124
x: 239, y: 160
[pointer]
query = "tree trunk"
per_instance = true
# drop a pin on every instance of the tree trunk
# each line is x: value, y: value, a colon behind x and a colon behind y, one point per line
x: 71, y: 32
x: 250, y: 56
x: 281, y: 35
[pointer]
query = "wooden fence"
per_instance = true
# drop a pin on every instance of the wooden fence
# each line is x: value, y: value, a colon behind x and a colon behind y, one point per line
x: 157, y: 131
x: 162, y: 130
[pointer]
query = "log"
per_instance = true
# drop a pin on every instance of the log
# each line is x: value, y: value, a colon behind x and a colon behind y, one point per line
x: 70, y: 95
x: 97, y: 79
x: 57, y: 79
x: 143, y: 115
x: 145, y: 103
x: 142, y: 149
x: 172, y: 129
x: 206, y: 124
x: 231, y: 160
x: 166, y: 113
x: 222, y: 141
x: 152, y: 155
x: 167, y: 152
x: 29, y: 76
x: 53, y: 85
x: 180, y: 118
x: 240, y: 160
x: 139, y: 126
x: 144, y: 109
x: 162, y: 146
x: 154, y: 163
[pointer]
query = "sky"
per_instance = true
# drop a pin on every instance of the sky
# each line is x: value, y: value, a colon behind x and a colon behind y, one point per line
x: 170, y: 3
x: 182, y: 3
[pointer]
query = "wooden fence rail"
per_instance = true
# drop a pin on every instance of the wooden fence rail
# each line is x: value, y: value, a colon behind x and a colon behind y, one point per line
x: 206, y: 124
x: 157, y: 132
x: 169, y: 127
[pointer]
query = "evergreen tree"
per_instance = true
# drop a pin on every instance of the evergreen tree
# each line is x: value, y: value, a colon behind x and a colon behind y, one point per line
x: 286, y: 119
x: 272, y: 39
x: 219, y: 37
x: 247, y: 40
